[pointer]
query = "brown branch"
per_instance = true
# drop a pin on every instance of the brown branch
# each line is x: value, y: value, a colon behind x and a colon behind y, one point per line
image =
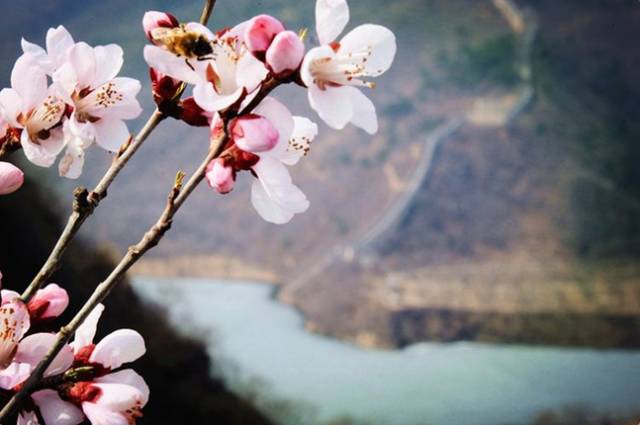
x: 177, y: 196
x: 206, y: 11
x: 85, y: 202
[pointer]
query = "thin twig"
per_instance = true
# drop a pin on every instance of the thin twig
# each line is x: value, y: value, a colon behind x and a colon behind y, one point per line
x: 206, y: 12
x: 85, y: 203
x: 178, y: 195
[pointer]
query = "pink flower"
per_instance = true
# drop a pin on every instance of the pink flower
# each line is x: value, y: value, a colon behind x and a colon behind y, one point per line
x: 220, y: 177
x: 334, y: 70
x: 253, y: 133
x: 121, y: 346
x: 260, y: 32
x: 54, y: 410
x: 101, y: 102
x: 11, y: 178
x: 49, y: 302
x: 113, y: 399
x: 34, y: 109
x: 273, y: 194
x: 154, y: 19
x: 285, y: 53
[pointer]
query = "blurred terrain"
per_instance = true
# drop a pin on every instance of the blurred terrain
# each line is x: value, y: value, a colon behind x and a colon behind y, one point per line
x: 182, y: 390
x: 499, y: 202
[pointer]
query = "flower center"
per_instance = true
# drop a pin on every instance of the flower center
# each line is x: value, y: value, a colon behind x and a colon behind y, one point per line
x: 342, y: 69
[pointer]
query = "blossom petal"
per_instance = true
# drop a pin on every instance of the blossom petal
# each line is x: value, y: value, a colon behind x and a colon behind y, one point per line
x: 14, y: 375
x: 38, y: 54
x: 27, y: 418
x: 99, y: 415
x: 10, y: 106
x: 33, y: 348
x: 83, y: 59
x: 250, y: 72
x: 273, y: 196
x: 128, y: 377
x: 169, y: 64
x: 114, y: 99
x: 44, y: 152
x: 56, y: 411
x: 331, y: 18
x: 304, y: 131
x: 121, y: 346
x: 280, y: 117
x: 333, y: 105
x: 209, y: 100
x: 59, y: 41
x: 111, y: 134
x: 109, y: 60
x: 87, y: 330
x: 29, y: 81
x: 380, y: 41
x: 364, y: 112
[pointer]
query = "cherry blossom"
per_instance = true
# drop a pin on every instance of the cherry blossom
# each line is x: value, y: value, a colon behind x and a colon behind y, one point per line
x: 334, y: 70
x: 273, y: 194
x: 35, y: 109
x: 221, y: 177
x: 11, y: 178
x: 58, y: 43
x: 101, y: 102
x: 285, y: 54
x: 221, y: 78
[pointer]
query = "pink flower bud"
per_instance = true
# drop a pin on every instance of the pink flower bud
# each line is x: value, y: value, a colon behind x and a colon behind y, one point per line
x: 163, y: 87
x: 11, y: 178
x: 285, y: 54
x: 154, y: 19
x: 260, y: 32
x: 220, y: 176
x: 253, y: 133
x: 49, y: 302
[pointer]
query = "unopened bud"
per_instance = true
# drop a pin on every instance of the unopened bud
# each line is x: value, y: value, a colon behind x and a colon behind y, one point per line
x: 154, y: 19
x: 11, y: 178
x: 220, y: 176
x: 49, y: 302
x: 253, y: 133
x: 164, y: 88
x: 285, y: 54
x: 260, y: 32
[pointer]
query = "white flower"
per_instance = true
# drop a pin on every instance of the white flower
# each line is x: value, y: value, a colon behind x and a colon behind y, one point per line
x: 29, y: 105
x: 101, y: 102
x: 334, y: 70
x: 273, y: 194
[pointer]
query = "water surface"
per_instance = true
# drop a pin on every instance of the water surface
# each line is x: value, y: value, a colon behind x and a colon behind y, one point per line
x: 424, y: 384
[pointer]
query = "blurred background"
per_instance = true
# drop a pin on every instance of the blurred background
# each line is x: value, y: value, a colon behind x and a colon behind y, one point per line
x: 475, y: 262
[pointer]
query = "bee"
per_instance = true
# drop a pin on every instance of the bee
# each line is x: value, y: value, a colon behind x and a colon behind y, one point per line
x: 184, y: 43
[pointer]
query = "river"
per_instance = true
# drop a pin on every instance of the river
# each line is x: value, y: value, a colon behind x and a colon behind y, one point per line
x: 258, y: 339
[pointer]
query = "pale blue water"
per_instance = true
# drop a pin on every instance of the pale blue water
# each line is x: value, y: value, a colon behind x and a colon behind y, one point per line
x: 425, y: 384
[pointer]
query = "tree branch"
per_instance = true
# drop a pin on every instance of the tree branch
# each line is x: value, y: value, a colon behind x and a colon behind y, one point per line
x: 206, y: 11
x: 177, y: 196
x: 85, y: 202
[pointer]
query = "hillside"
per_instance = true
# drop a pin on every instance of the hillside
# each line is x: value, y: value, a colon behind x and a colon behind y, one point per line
x: 526, y: 233
x: 181, y: 389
